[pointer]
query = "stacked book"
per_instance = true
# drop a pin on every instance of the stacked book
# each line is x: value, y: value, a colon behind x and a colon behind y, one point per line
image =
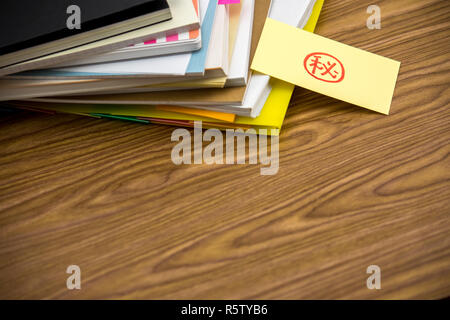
x: 169, y: 62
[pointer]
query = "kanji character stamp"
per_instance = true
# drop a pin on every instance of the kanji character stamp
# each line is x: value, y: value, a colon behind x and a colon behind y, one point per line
x: 324, y: 67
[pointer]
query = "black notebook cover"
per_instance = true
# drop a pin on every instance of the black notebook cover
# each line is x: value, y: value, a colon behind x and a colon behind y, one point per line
x: 27, y: 23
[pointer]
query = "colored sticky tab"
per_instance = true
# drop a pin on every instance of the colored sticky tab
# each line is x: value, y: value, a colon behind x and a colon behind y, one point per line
x: 229, y: 1
x: 326, y: 66
x: 227, y: 117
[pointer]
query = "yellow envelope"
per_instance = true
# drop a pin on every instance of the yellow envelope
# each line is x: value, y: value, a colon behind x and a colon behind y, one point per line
x: 326, y: 66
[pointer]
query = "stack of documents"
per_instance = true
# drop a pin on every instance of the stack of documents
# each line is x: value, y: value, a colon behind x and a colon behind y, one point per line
x: 170, y: 62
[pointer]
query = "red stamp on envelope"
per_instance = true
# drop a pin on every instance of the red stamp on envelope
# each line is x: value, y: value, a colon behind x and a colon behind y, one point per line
x: 324, y: 67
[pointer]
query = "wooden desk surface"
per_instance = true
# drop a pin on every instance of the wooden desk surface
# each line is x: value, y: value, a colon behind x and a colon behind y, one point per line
x: 355, y: 188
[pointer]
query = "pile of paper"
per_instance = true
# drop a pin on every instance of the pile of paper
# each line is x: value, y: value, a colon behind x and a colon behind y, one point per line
x: 191, y: 66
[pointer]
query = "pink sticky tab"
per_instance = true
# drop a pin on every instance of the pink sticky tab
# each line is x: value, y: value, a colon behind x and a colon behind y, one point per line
x: 229, y: 1
x: 173, y: 37
x: 152, y: 41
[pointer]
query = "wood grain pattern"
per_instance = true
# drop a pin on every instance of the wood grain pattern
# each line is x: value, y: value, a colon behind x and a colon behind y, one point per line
x: 355, y: 188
